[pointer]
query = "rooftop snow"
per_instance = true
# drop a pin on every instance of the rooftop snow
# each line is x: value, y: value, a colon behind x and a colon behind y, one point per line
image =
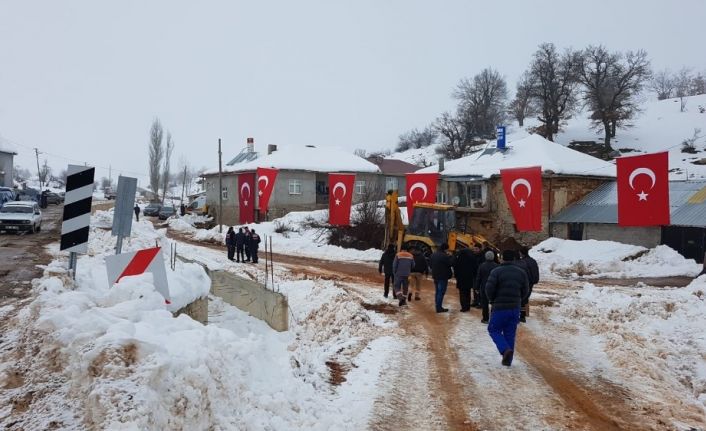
x: 533, y: 150
x: 305, y: 158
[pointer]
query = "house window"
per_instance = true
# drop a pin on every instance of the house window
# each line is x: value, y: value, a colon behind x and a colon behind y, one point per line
x: 224, y: 193
x: 440, y: 197
x: 391, y: 183
x: 295, y: 187
x: 359, y: 187
x: 475, y: 192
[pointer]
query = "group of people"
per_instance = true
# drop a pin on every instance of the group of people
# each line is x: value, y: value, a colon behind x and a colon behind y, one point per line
x: 483, y: 280
x: 243, y: 245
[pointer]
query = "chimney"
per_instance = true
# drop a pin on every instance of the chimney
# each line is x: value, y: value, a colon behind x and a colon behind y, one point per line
x: 441, y: 164
x: 271, y: 149
x: 251, y: 145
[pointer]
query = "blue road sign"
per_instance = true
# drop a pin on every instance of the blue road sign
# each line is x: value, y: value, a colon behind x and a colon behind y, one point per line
x: 500, y: 132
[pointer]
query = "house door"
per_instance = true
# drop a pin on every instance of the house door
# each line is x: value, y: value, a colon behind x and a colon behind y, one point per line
x: 690, y: 242
x: 575, y: 231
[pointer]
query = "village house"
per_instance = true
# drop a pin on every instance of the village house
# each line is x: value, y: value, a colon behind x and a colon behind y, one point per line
x: 394, y: 171
x: 302, y: 180
x: 596, y: 217
x: 6, y: 167
x: 474, y: 186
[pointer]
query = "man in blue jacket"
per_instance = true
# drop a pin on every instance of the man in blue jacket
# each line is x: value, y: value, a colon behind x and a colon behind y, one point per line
x: 506, y: 288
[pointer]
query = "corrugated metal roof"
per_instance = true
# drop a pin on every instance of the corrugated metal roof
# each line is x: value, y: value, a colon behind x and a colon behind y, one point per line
x: 601, y: 205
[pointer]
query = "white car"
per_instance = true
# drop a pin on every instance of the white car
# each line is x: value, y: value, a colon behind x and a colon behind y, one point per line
x: 20, y: 216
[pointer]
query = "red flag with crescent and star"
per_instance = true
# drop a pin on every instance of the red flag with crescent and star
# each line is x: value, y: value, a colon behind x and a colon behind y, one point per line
x: 523, y: 191
x: 421, y: 188
x: 340, y: 198
x: 265, y: 184
x: 246, y: 198
x: 643, y: 190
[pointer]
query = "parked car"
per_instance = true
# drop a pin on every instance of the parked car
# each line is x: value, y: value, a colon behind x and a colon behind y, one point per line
x: 166, y: 212
x: 20, y: 216
x: 152, y: 210
x: 54, y: 198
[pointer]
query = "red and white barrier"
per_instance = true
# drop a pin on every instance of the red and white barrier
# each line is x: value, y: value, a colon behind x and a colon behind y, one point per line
x: 138, y: 262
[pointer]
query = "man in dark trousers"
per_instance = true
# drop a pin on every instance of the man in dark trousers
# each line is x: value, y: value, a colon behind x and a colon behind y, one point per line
x: 533, y: 274
x: 466, y: 268
x: 401, y: 268
x: 230, y: 242
x: 421, y: 269
x: 506, y: 287
x: 240, y: 245
x: 385, y: 267
x: 441, y: 272
x: 137, y: 212
x: 254, y: 245
x: 482, y: 277
x: 246, y: 231
x: 182, y: 211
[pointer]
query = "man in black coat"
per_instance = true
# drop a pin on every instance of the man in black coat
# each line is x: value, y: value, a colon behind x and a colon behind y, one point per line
x: 532, y: 269
x: 483, y: 273
x: 137, y: 212
x: 254, y: 245
x: 385, y: 266
x: 421, y: 268
x: 466, y: 268
x: 240, y: 245
x: 506, y: 288
x: 441, y: 272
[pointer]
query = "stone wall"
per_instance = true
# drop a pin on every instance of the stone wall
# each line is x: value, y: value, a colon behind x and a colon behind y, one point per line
x: 648, y: 236
x: 197, y: 310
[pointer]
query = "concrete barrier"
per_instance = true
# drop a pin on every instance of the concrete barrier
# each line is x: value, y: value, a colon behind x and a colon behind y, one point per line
x: 197, y: 310
x: 252, y: 297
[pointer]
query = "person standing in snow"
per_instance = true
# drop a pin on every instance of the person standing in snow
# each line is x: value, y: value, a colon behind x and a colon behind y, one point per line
x: 137, y: 212
x: 441, y: 273
x: 465, y: 269
x: 506, y: 287
x: 240, y: 246
x: 385, y: 267
x: 421, y: 268
x: 482, y: 277
x: 246, y: 244
x: 230, y: 242
x: 254, y: 245
x: 533, y: 275
x: 182, y: 211
x: 401, y: 268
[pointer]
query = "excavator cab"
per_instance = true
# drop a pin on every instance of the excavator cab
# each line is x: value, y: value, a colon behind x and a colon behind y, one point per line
x: 433, y: 221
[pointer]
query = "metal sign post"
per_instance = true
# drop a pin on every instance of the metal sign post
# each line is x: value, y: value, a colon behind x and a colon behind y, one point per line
x: 122, y: 215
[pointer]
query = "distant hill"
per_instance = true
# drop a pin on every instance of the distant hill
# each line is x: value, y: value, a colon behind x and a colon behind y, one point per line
x: 660, y: 127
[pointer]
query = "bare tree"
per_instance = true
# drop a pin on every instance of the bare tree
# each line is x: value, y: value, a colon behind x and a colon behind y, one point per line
x: 156, y: 154
x: 553, y: 85
x: 482, y: 103
x: 611, y: 82
x: 105, y: 183
x: 167, y: 164
x: 682, y: 84
x: 698, y: 84
x: 662, y: 83
x: 44, y: 173
x: 417, y: 139
x: 454, y: 143
x: 21, y: 174
x: 521, y: 106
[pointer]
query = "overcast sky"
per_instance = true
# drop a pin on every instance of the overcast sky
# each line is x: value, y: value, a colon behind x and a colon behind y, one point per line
x: 83, y: 79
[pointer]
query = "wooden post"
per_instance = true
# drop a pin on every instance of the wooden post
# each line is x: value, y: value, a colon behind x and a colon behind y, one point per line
x: 220, y: 189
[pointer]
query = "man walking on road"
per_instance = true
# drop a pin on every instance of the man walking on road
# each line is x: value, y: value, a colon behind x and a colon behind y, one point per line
x: 240, y: 246
x: 401, y: 268
x: 137, y: 212
x: 254, y: 245
x: 441, y: 272
x: 506, y: 287
x: 385, y: 267
x: 533, y: 274
x: 466, y: 268
x: 421, y: 268
x: 482, y: 277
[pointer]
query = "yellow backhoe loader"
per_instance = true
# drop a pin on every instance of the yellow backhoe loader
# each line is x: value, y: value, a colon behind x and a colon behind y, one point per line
x: 431, y: 226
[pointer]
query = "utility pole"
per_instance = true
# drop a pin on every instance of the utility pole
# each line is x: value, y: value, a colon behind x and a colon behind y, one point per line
x: 183, y: 186
x: 220, y: 188
x: 39, y: 175
x: 110, y: 176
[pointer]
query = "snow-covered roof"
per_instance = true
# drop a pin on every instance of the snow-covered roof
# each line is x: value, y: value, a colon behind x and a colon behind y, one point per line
x: 533, y: 150
x: 305, y: 158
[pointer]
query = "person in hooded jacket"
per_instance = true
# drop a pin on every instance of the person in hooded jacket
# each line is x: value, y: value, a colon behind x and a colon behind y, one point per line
x: 246, y: 244
x: 240, y: 245
x: 401, y: 268
x: 230, y: 242
x: 483, y: 273
x: 506, y: 287
x: 385, y: 267
x: 421, y: 268
x: 254, y: 245
x: 465, y: 269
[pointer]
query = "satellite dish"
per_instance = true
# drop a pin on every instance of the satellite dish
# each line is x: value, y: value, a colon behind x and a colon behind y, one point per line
x: 456, y: 200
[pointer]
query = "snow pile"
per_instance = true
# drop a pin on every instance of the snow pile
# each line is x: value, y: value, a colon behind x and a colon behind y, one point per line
x: 596, y: 259
x: 655, y: 338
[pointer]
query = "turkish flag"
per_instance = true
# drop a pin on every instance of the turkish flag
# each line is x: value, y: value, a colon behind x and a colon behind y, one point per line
x: 420, y: 188
x: 265, y: 184
x: 340, y: 197
x: 523, y: 191
x: 643, y: 190
x: 246, y: 198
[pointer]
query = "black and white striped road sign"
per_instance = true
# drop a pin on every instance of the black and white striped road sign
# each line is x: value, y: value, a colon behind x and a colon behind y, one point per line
x: 77, y: 209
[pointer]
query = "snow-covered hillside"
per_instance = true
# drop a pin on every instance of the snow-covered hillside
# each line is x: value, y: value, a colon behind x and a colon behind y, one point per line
x: 660, y: 127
